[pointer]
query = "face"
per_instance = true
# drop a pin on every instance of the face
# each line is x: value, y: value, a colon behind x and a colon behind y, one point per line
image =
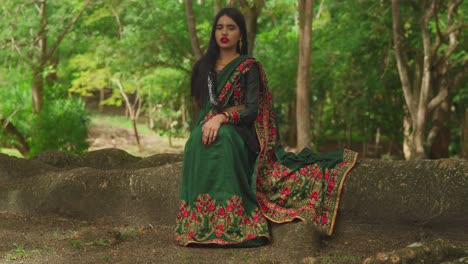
x: 227, y: 33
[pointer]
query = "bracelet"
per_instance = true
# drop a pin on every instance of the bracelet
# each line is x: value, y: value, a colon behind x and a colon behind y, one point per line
x: 226, y: 117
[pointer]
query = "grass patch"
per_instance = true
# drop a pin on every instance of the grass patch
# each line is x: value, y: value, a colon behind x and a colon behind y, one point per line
x: 101, y: 242
x: 20, y: 252
x: 76, y: 243
x: 11, y: 152
x: 128, y: 234
x: 119, y: 121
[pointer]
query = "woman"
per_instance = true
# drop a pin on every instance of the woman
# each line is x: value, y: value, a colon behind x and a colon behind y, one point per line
x: 235, y: 174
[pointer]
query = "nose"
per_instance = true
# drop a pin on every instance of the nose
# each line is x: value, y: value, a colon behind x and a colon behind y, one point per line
x: 224, y: 31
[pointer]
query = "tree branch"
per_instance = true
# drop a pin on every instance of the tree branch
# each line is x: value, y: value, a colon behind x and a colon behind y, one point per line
x: 243, y: 3
x: 192, y: 30
x: 436, y: 101
x: 440, y: 37
x: 401, y: 63
x: 21, y: 145
x: 65, y: 30
x: 117, y: 19
x: 124, y: 95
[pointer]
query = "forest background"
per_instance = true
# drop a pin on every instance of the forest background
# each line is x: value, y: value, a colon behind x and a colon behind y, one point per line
x: 386, y: 78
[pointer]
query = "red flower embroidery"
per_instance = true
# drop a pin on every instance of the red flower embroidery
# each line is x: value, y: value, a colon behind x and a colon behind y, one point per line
x: 250, y: 236
x: 281, y: 201
x: 235, y: 116
x: 221, y: 211
x: 314, y: 196
x: 211, y: 207
x: 236, y: 93
x: 286, y: 191
x: 191, y: 234
x: 324, y: 219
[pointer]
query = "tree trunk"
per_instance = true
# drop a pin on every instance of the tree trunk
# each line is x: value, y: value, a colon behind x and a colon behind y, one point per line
x: 251, y: 24
x: 192, y: 30
x: 37, y: 89
x: 42, y: 59
x: 101, y: 99
x: 292, y: 126
x: 430, y: 78
x: 39, y: 61
x: 422, y: 110
x: 439, y: 135
x: 217, y: 6
x: 251, y: 13
x: 137, y: 136
x: 407, y: 139
x: 183, y: 109
x: 303, y: 73
x: 132, y: 109
x: 151, y: 110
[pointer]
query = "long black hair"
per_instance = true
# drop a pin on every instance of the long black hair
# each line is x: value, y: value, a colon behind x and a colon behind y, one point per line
x: 205, y: 66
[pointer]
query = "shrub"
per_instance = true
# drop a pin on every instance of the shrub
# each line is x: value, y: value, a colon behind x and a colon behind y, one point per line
x: 62, y: 125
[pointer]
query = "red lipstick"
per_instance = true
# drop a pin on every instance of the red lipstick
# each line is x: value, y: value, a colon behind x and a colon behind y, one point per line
x: 224, y: 40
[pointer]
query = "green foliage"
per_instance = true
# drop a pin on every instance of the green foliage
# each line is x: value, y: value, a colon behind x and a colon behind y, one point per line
x: 76, y: 244
x: 15, y: 107
x: 61, y: 125
x: 20, y: 252
x: 355, y: 87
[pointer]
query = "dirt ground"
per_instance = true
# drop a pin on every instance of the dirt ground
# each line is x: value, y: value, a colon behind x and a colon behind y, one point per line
x: 111, y: 137
x: 54, y: 239
x: 46, y: 239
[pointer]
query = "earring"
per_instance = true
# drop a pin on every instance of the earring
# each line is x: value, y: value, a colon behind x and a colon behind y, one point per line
x: 240, y: 44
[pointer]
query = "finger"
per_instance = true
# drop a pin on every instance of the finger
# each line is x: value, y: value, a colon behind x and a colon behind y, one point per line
x: 210, y: 138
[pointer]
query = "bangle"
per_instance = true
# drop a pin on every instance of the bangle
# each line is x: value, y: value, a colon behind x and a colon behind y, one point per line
x: 226, y: 117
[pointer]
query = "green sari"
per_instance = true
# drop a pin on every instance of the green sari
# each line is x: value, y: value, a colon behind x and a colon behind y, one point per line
x: 228, y: 192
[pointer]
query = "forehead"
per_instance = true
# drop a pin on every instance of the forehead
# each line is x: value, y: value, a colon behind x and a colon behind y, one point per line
x: 225, y: 20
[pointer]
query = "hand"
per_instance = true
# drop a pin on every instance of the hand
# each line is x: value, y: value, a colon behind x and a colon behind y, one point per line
x: 210, y: 129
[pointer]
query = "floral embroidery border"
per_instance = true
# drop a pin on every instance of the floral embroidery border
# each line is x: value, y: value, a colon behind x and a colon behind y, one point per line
x: 209, y: 221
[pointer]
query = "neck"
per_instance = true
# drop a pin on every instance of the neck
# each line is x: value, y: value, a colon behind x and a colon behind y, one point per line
x: 226, y: 54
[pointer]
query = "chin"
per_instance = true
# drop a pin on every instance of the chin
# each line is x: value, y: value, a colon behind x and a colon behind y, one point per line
x: 226, y: 46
